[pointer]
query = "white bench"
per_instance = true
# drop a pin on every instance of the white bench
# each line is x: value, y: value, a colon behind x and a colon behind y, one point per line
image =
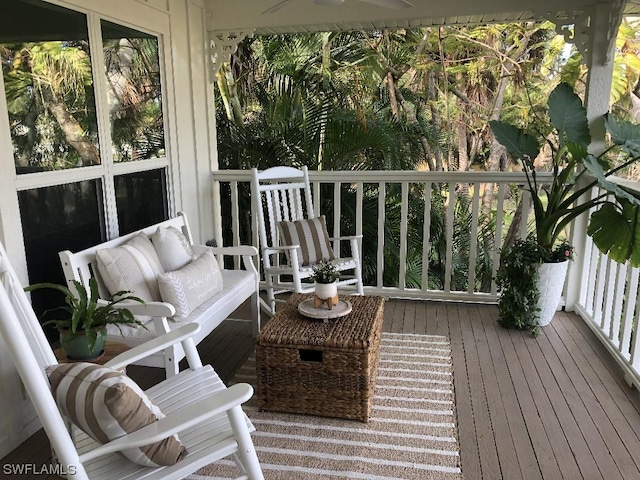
x: 238, y: 286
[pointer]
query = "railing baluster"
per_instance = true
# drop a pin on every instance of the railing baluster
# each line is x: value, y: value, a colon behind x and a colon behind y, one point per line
x: 404, y: 214
x: 426, y: 236
x: 317, y: 201
x: 598, y: 305
x: 382, y: 194
x: 473, y: 247
x: 337, y: 209
x: 621, y: 278
x: 451, y: 201
x: 235, y: 220
x: 359, y: 201
x: 498, y: 237
x: 594, y: 261
x: 607, y: 308
x: 634, y: 356
x: 631, y: 297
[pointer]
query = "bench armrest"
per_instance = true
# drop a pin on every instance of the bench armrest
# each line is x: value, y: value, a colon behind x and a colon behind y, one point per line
x: 182, y: 419
x: 152, y: 346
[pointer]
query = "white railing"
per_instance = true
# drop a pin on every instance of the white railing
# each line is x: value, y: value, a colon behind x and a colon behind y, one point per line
x: 401, y: 256
x: 609, y: 302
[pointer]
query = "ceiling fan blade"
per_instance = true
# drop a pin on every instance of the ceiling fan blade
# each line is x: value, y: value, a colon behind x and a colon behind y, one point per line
x: 277, y: 6
x: 393, y: 4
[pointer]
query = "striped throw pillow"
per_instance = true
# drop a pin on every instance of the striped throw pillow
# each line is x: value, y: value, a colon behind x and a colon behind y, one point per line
x: 106, y: 404
x: 133, y: 266
x: 312, y: 236
x: 172, y: 247
x: 192, y: 285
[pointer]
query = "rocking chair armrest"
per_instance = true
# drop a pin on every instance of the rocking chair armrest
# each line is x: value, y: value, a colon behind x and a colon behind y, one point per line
x: 187, y: 417
x: 152, y: 346
x: 152, y: 309
x: 279, y: 249
x: 347, y: 237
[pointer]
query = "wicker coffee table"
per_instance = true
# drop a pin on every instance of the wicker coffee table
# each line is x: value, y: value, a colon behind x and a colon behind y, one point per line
x: 320, y: 368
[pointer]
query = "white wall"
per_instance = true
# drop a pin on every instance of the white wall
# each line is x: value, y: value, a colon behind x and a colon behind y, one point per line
x: 191, y: 150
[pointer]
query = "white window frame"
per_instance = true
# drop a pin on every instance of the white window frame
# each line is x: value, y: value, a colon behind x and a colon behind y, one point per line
x: 153, y: 22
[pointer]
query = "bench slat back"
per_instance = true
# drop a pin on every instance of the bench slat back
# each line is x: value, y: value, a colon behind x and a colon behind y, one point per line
x: 82, y: 266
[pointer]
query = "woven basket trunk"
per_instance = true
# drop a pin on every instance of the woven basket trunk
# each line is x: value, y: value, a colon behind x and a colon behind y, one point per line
x: 312, y: 367
x: 550, y: 285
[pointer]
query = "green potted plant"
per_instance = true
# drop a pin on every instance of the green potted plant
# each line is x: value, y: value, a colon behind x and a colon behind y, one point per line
x: 83, y: 327
x: 614, y: 224
x: 325, y: 277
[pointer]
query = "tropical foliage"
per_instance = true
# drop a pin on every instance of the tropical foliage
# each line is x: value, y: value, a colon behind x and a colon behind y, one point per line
x: 615, y: 223
x: 394, y: 100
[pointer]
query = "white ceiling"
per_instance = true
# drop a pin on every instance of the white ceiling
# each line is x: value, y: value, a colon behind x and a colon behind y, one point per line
x: 306, y: 16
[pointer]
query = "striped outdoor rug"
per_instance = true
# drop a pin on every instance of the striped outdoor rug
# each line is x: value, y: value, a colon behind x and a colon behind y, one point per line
x: 411, y: 433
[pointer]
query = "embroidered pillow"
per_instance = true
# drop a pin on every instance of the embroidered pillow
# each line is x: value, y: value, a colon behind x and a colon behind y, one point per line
x: 312, y: 237
x: 172, y: 247
x: 192, y: 285
x: 133, y: 266
x: 106, y: 404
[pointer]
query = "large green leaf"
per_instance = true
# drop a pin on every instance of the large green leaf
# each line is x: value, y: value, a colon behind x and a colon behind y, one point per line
x: 568, y: 115
x: 518, y: 143
x: 623, y: 133
x: 594, y: 167
x: 617, y: 232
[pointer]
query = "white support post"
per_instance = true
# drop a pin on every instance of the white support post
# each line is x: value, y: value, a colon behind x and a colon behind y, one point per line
x: 605, y: 20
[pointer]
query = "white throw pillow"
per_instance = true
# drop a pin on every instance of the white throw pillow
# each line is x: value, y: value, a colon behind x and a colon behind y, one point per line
x: 192, y: 285
x: 106, y: 404
x: 312, y: 237
x: 173, y: 248
x: 133, y: 266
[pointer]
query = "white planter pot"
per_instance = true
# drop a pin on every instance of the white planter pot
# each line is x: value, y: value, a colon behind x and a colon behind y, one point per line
x: 550, y: 285
x: 326, y: 290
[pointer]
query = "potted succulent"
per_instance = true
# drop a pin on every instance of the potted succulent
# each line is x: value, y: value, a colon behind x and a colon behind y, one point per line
x: 325, y: 277
x: 83, y: 327
x: 614, y: 224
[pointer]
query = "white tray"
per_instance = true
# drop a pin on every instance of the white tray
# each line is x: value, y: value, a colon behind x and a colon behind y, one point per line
x: 308, y: 309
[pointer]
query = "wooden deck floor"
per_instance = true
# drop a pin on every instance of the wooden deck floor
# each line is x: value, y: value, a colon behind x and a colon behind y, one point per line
x: 552, y: 407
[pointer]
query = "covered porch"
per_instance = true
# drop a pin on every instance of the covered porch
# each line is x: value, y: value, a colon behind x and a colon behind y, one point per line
x: 556, y: 406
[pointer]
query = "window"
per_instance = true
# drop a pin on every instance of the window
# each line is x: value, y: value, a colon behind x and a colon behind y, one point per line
x: 48, y: 84
x: 61, y: 217
x: 72, y: 79
x: 141, y: 199
x: 133, y: 88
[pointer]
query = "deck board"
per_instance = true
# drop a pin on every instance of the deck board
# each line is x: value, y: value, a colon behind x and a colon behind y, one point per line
x: 555, y: 406
x: 505, y: 391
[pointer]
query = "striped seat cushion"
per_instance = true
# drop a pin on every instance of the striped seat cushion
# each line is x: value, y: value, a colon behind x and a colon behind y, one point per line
x: 192, y: 285
x: 106, y: 404
x: 311, y: 234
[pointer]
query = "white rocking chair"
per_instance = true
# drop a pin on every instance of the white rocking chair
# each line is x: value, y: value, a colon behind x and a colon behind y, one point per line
x: 278, y: 194
x: 205, y: 414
